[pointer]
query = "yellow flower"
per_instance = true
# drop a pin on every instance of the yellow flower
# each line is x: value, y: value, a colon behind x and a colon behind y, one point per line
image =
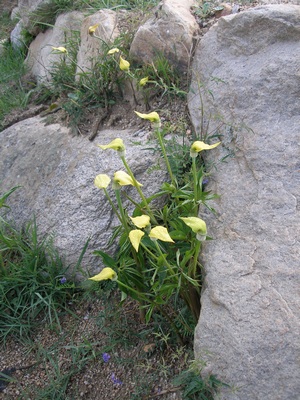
x: 102, y: 181
x: 197, y: 225
x: 135, y: 236
x: 92, y: 29
x: 116, y: 144
x: 124, y: 64
x: 152, y: 117
x: 161, y: 233
x: 60, y: 49
x: 143, y: 81
x: 198, y: 146
x: 106, y: 273
x: 113, y: 51
x: 141, y: 221
x: 121, y: 178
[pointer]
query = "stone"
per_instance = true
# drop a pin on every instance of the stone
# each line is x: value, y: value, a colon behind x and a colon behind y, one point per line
x: 171, y: 32
x: 56, y: 173
x: 41, y: 58
x: 91, y: 47
x: 8, y: 5
x: 223, y: 10
x: 17, y: 37
x: 34, y: 12
x: 248, y: 332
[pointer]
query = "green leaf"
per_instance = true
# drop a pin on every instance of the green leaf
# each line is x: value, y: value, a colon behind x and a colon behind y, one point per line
x: 107, y: 260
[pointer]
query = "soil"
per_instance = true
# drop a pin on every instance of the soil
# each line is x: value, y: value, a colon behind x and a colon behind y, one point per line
x: 99, y: 354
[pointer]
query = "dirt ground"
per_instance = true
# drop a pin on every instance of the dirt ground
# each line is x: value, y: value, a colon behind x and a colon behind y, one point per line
x: 99, y: 355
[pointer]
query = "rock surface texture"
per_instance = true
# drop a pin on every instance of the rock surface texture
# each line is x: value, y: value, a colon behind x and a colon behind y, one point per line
x: 248, y: 332
x: 41, y: 58
x: 170, y: 32
x: 90, y: 47
x: 57, y: 171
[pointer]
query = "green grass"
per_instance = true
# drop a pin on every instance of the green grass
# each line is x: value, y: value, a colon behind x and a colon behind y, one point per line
x: 46, y: 15
x: 13, y: 94
x: 32, y: 294
x: 30, y: 287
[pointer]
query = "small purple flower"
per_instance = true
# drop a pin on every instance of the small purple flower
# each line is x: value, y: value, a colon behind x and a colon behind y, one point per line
x: 105, y: 357
x: 205, y: 181
x: 115, y: 380
x: 63, y: 280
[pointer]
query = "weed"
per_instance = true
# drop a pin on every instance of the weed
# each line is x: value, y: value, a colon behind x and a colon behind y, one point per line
x: 46, y: 14
x: 30, y: 280
x: 12, y: 92
x: 6, y: 25
x: 194, y: 387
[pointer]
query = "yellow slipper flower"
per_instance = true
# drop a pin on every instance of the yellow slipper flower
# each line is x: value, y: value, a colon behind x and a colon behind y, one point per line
x: 60, y: 49
x: 135, y: 236
x: 116, y: 144
x: 198, y: 146
x: 144, y: 81
x: 121, y: 178
x: 113, y: 51
x: 197, y: 225
x: 124, y: 64
x: 106, y: 273
x: 92, y: 29
x: 141, y: 222
x: 102, y: 181
x: 153, y: 117
x: 161, y: 233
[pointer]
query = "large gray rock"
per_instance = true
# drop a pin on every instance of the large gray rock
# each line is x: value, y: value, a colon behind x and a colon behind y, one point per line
x: 41, y: 59
x: 57, y: 171
x: 248, y: 332
x: 34, y: 12
x: 170, y: 32
x: 91, y: 48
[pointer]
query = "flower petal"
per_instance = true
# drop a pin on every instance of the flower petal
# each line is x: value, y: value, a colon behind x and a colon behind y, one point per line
x: 142, y: 221
x: 196, y: 224
x: 144, y: 81
x: 135, y: 236
x: 161, y: 233
x: 198, y: 146
x: 152, y: 117
x: 124, y: 64
x: 93, y: 28
x: 106, y: 273
x: 116, y: 144
x: 60, y: 49
x: 113, y: 51
x: 102, y: 181
x: 123, y: 179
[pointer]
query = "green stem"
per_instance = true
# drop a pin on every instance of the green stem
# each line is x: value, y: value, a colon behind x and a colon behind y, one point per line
x: 165, y: 260
x: 163, y: 148
x: 112, y: 205
x: 193, y: 269
x: 137, y: 186
x: 176, y: 330
x: 149, y: 251
x: 123, y: 216
x: 147, y: 300
x: 196, y: 185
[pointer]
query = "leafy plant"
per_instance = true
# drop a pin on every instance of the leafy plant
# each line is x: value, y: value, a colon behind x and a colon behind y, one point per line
x: 13, y: 93
x: 6, y: 24
x: 194, y: 387
x: 163, y: 79
x: 33, y: 286
x: 157, y: 264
